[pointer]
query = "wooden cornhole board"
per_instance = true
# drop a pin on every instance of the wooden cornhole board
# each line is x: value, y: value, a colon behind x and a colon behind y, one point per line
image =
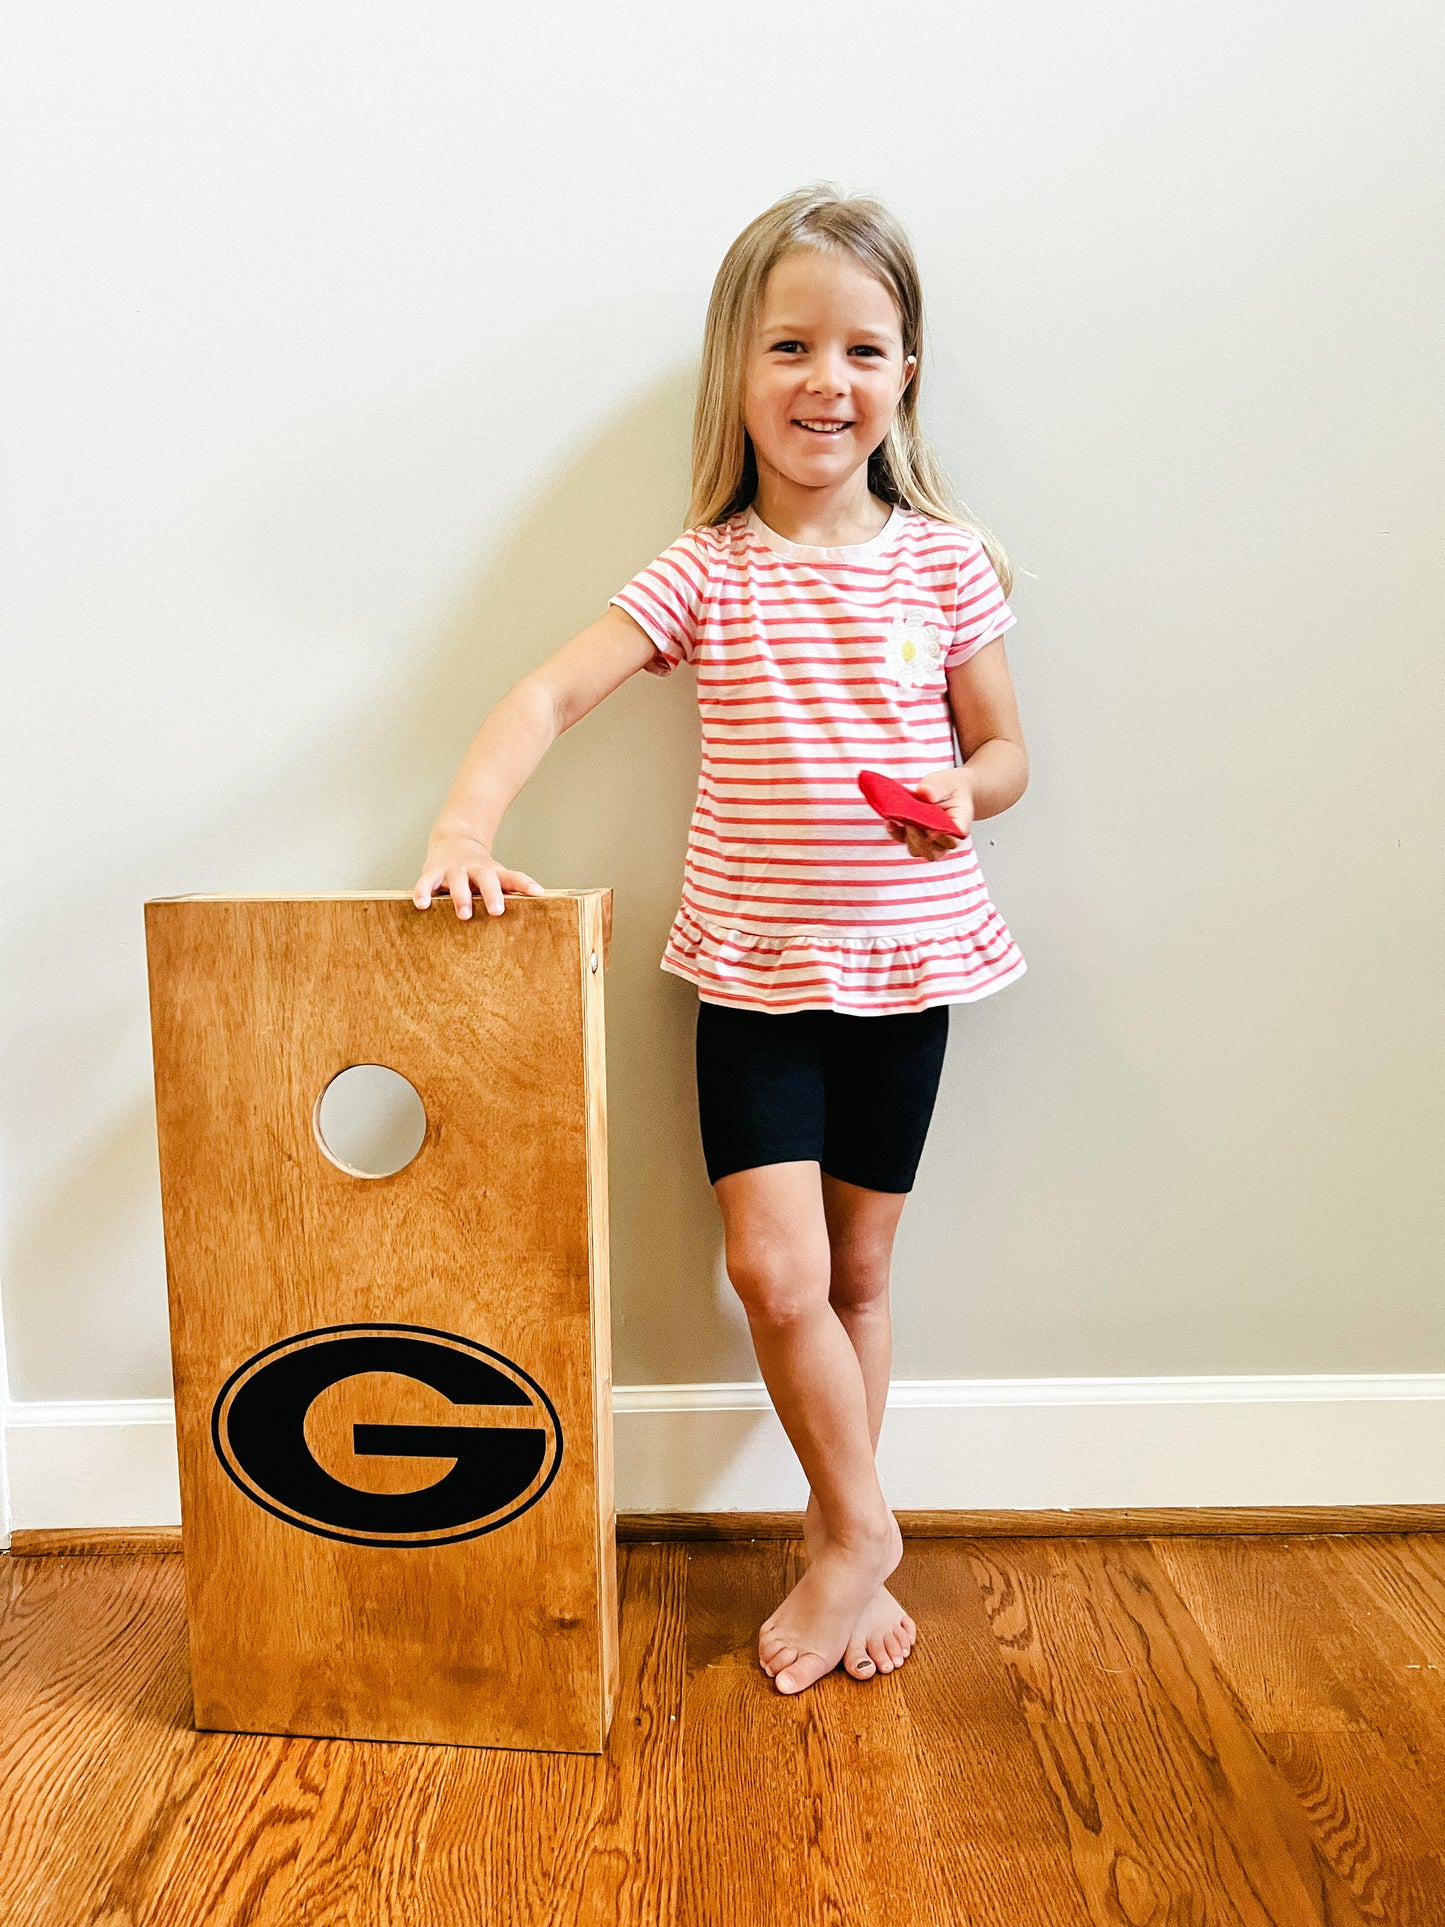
x: 345, y: 1574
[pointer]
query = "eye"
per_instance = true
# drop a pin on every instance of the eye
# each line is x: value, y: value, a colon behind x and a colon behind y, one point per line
x: 778, y: 346
x: 867, y: 348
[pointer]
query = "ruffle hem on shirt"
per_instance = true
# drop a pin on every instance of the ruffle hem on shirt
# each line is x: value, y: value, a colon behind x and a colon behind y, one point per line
x: 862, y: 976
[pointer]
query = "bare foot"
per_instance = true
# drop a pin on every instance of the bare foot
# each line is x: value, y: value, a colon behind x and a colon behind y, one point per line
x: 884, y: 1635
x: 809, y: 1632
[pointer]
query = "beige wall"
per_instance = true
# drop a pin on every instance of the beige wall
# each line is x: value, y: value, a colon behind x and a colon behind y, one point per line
x: 352, y: 374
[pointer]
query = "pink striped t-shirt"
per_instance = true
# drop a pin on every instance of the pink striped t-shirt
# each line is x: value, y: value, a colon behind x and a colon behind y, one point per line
x: 812, y: 664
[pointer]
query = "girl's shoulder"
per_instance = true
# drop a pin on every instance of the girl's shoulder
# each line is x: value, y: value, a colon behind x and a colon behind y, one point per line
x: 706, y: 542
x: 728, y: 537
x: 937, y: 537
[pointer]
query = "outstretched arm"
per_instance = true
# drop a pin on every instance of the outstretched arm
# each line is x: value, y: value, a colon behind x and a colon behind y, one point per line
x: 511, y: 742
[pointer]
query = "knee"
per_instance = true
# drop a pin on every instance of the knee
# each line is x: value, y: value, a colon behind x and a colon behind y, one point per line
x: 859, y: 1280
x: 777, y: 1284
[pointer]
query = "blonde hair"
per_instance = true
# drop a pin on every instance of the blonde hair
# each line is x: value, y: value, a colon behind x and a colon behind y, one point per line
x: 903, y: 469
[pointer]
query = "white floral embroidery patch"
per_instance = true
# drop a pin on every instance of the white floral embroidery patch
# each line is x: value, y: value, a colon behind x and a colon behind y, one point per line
x: 914, y: 649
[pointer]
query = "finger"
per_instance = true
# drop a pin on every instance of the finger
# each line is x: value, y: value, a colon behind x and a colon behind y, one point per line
x: 459, y: 884
x: 431, y: 883
x: 489, y: 888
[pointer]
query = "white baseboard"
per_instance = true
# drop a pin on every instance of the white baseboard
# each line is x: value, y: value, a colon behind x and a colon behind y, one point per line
x: 947, y: 1444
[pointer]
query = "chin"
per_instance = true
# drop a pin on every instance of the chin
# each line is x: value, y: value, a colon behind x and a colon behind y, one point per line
x: 825, y: 466
x: 814, y: 479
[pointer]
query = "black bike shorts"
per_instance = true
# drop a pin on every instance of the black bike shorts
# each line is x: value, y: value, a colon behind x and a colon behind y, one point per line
x: 854, y: 1093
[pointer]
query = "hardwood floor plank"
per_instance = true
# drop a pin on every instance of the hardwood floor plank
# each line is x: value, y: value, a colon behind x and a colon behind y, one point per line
x: 868, y: 1795
x: 746, y: 1785
x: 623, y: 1863
x: 83, y: 1648
x: 1329, y: 1636
x: 857, y: 1799
x: 803, y: 1816
x: 1364, y: 1815
x: 999, y: 1846
x: 1284, y: 1619
x: 1166, y: 1793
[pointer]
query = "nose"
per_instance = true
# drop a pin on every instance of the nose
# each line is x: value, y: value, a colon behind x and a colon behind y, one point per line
x: 828, y: 374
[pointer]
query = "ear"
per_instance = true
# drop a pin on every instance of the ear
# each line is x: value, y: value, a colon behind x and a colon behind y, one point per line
x: 910, y: 369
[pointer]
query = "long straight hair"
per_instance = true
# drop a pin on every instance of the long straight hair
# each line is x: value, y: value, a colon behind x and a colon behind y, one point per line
x: 903, y: 469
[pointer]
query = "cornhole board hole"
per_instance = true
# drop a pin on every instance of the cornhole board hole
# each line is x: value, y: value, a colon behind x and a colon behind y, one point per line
x: 393, y: 1392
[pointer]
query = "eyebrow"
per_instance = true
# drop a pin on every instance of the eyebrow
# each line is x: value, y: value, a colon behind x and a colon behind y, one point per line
x: 862, y: 334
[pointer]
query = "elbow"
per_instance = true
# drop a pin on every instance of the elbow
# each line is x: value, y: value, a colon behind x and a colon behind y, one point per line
x: 1021, y: 767
x: 545, y: 705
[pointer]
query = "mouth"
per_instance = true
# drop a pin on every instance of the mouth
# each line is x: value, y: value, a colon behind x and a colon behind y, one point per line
x: 822, y: 426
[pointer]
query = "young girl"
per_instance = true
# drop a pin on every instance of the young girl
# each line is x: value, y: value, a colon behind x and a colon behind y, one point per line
x: 840, y: 614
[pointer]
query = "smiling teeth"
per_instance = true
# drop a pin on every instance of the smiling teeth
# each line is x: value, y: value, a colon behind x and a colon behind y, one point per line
x: 824, y: 428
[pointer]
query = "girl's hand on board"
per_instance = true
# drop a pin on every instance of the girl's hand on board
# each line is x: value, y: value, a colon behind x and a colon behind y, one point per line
x: 461, y: 864
x: 952, y: 790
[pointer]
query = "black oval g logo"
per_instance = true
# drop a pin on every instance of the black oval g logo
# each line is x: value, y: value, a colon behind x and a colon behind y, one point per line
x: 276, y: 1412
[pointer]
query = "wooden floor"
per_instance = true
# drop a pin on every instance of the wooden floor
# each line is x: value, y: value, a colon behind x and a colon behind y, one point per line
x: 1089, y: 1731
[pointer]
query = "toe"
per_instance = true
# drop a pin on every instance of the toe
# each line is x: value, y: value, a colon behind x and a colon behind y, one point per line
x: 774, y: 1657
x: 859, y: 1661
x: 806, y: 1668
x: 881, y: 1656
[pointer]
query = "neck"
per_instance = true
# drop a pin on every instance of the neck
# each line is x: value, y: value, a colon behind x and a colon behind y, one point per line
x: 823, y: 518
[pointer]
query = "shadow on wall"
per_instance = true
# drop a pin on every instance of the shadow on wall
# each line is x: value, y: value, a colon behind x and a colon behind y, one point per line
x: 608, y: 807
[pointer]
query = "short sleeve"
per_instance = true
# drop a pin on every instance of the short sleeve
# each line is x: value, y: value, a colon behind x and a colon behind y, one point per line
x: 980, y: 611
x: 666, y: 599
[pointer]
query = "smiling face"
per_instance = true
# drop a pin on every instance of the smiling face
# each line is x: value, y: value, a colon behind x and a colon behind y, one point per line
x: 825, y: 370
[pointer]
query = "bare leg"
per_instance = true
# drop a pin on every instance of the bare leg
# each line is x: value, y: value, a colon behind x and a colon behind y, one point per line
x: 861, y: 1229
x: 779, y: 1261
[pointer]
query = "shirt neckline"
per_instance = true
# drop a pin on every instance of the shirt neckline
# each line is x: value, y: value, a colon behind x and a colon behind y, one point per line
x: 842, y: 552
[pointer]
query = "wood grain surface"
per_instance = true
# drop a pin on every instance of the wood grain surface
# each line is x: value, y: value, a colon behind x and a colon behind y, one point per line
x: 493, y: 1240
x: 1085, y: 1522
x: 1213, y: 1732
